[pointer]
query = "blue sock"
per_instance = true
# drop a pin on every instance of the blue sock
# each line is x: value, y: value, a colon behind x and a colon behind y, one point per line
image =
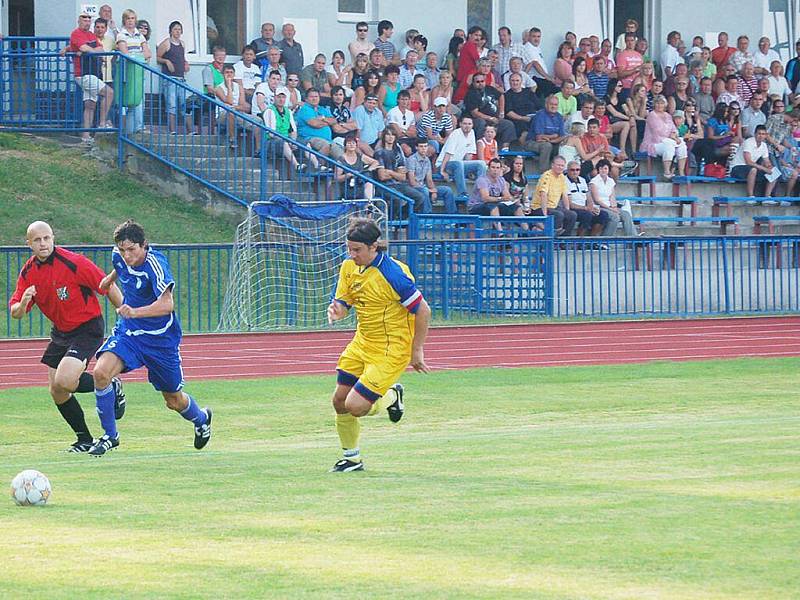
x: 105, y: 410
x: 194, y: 413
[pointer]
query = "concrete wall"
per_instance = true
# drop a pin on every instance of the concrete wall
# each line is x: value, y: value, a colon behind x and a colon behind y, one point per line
x: 524, y: 14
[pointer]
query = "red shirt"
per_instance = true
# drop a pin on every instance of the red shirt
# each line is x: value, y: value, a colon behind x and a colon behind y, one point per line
x: 77, y: 39
x: 66, y: 287
x: 720, y: 56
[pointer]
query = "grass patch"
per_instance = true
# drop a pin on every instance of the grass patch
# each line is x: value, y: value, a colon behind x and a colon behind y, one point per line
x: 662, y: 480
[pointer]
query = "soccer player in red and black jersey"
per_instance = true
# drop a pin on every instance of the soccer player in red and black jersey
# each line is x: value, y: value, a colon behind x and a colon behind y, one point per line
x: 64, y: 285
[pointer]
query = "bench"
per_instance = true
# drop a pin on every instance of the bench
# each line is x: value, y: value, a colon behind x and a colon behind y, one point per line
x: 688, y: 180
x: 727, y: 201
x: 723, y: 222
x: 770, y: 220
x: 641, y: 180
x: 678, y: 201
x: 644, y: 157
x: 522, y: 153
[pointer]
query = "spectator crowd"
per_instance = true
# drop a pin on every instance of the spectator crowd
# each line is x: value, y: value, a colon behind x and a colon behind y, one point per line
x: 415, y: 119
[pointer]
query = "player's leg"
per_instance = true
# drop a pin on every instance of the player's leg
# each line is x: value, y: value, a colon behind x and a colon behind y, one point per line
x: 108, y: 366
x: 187, y: 407
x: 348, y: 428
x: 63, y: 380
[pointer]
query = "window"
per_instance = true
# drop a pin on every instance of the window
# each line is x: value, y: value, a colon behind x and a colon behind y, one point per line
x: 207, y: 23
x: 355, y: 10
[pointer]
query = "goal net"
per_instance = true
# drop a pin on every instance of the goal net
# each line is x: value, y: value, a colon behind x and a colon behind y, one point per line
x: 286, y: 261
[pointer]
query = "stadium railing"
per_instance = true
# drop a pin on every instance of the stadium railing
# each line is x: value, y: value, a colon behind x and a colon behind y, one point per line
x: 481, y: 279
x: 38, y: 92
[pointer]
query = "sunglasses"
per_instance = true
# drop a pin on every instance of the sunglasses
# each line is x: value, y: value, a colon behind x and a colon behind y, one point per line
x: 362, y: 30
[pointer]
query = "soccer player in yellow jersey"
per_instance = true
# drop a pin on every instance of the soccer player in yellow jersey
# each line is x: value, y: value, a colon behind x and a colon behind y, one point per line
x: 393, y: 320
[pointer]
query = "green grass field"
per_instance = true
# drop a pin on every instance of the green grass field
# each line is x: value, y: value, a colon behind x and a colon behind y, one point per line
x: 670, y: 480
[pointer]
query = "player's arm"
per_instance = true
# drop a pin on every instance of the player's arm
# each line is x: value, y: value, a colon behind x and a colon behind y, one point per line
x: 421, y: 323
x: 20, y: 309
x: 340, y: 299
x: 337, y: 310
x: 106, y: 282
x: 163, y: 306
x: 114, y: 295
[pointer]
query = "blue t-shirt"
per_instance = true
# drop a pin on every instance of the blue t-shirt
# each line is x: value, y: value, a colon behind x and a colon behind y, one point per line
x: 141, y: 286
x: 306, y: 113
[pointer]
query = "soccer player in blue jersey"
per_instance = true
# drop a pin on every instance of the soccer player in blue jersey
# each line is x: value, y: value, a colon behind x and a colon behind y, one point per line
x: 393, y: 320
x: 147, y: 334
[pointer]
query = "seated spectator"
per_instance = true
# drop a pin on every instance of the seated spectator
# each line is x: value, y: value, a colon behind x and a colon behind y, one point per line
x: 350, y: 185
x: 671, y: 82
x: 619, y: 117
x: 485, y: 105
x: 517, y: 182
x: 230, y: 92
x: 435, y: 125
x: 646, y: 76
x: 752, y: 116
x: 677, y: 101
x: 515, y: 68
x: 730, y: 94
x: 444, y: 89
x: 601, y: 188
x: 661, y: 139
x: 369, y: 121
x: 338, y: 72
x: 458, y: 156
x: 596, y: 148
x: 722, y: 53
x: 487, y: 145
x: 314, y: 127
x: 551, y: 198
x: 546, y: 132
x: 491, y: 198
x: 520, y: 105
x: 589, y: 217
x: 567, y: 101
x: 583, y: 115
x: 357, y: 75
x: 420, y: 177
x: 582, y: 89
x: 420, y: 97
x: 742, y: 54
x: 377, y: 62
x: 383, y: 43
x: 315, y: 77
x: 393, y: 173
x: 248, y: 73
x: 265, y: 94
x: 751, y: 162
x: 562, y: 68
x: 535, y: 64
x: 279, y: 117
x: 345, y: 123
x: 709, y: 68
x: 695, y: 75
x: 409, y: 70
x: 790, y: 168
x: 572, y: 147
x: 402, y: 121
x: 432, y: 70
x: 372, y: 87
x: 704, y: 99
x: 273, y: 63
x: 691, y: 130
x: 295, y: 99
x: 387, y: 96
x: 411, y: 35
x: 718, y: 131
x: 598, y: 78
x: 747, y: 85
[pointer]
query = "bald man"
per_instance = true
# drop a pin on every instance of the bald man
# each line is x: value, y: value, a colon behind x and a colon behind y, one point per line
x: 64, y: 285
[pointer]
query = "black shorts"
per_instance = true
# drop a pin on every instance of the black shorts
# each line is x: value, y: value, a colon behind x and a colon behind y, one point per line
x: 81, y: 343
x: 485, y: 209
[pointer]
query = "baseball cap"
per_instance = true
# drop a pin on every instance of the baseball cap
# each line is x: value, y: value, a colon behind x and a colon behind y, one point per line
x: 678, y: 113
x: 371, y: 97
x: 440, y: 101
x: 85, y: 13
x: 282, y: 90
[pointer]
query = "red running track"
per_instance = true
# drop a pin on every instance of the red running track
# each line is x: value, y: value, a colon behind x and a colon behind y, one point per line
x: 240, y: 356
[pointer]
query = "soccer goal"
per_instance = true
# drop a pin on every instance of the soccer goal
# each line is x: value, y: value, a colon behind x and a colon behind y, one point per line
x: 286, y: 261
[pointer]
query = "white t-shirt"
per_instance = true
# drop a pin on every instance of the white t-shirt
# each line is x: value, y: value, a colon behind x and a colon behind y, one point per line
x: 396, y: 116
x: 577, y: 192
x: 603, y: 190
x: 269, y: 97
x: 756, y: 152
x: 778, y: 86
x: 576, y: 117
x: 235, y: 95
x: 763, y: 61
x: 670, y: 58
x: 250, y: 76
x: 458, y: 145
x: 531, y: 53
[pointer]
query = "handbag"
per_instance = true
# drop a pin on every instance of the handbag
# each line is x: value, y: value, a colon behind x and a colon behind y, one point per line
x: 715, y: 170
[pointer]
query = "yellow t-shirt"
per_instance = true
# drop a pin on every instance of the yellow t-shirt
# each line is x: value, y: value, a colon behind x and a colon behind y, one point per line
x: 555, y: 186
x: 385, y: 299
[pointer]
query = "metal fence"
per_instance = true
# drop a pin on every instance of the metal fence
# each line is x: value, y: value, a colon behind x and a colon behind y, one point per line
x: 524, y: 278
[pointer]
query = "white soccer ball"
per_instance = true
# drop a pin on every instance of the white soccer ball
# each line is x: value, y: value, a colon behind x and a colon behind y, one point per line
x: 30, y: 488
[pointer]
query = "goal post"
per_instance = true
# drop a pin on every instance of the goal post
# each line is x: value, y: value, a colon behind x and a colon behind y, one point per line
x: 286, y: 260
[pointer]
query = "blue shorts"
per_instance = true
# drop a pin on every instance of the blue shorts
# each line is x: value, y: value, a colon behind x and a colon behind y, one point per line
x: 164, y: 370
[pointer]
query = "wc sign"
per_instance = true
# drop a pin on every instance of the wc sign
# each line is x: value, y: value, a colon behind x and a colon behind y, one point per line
x: 90, y: 9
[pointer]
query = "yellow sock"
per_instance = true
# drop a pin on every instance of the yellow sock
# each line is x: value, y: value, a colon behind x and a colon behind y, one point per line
x: 349, y: 429
x: 382, y: 402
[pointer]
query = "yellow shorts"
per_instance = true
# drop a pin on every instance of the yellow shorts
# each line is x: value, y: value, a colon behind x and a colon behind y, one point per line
x: 372, y: 367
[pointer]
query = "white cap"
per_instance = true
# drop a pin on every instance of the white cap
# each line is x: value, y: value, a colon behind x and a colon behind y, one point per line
x: 282, y: 90
x: 440, y: 101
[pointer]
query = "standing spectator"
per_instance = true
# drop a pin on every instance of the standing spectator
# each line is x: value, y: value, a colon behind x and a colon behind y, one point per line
x: 458, y: 156
x: 291, y: 51
x: 629, y: 64
x: 314, y: 127
x: 315, y: 77
x: 520, y: 105
x: 546, y: 132
x: 670, y: 58
x: 764, y: 57
x: 742, y: 54
x: 535, y: 64
x: 384, y: 44
x: 265, y: 42
x: 751, y: 162
x: 453, y: 53
x: 589, y: 217
x: 602, y: 189
x: 661, y: 138
x: 107, y: 42
x: 632, y: 28
x: 171, y: 54
x: 722, y: 53
x: 132, y: 43
x: 247, y: 73
x: 435, y: 125
x: 467, y: 62
x: 486, y: 106
x: 369, y: 120
x: 793, y: 68
x: 88, y: 69
x: 506, y: 49
x: 491, y: 197
x: 420, y: 177
x: 106, y: 13
x: 747, y: 85
x: 360, y: 45
x: 551, y: 198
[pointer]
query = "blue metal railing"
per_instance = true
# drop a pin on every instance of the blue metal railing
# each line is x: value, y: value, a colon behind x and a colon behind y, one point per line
x: 519, y: 277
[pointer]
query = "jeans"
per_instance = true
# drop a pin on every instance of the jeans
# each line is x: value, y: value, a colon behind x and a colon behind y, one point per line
x: 175, y: 96
x: 134, y: 118
x: 460, y: 169
x: 613, y: 222
x: 444, y: 193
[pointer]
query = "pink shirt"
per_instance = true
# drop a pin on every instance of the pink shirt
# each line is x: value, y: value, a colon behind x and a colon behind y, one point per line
x: 562, y: 71
x: 629, y: 59
x: 657, y: 127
